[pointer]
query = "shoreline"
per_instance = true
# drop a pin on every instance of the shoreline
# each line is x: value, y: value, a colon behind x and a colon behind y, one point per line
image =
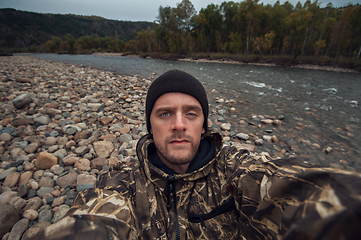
x: 226, y: 61
x: 299, y: 66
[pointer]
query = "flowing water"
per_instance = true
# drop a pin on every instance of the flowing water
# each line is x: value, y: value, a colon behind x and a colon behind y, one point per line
x: 316, y: 106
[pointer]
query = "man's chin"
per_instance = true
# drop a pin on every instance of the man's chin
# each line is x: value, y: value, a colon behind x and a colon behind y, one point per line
x: 180, y: 159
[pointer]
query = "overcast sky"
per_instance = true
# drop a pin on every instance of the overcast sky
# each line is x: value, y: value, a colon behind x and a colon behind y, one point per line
x: 127, y: 10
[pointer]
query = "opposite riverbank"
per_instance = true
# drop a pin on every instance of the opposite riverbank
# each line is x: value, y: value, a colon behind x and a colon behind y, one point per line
x: 319, y: 64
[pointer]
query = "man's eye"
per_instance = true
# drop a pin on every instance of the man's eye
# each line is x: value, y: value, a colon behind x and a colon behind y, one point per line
x: 165, y: 114
x: 191, y: 114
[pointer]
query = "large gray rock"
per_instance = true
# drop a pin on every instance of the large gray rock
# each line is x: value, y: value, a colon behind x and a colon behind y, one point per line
x: 5, y: 197
x: 18, y: 229
x: 33, y: 230
x: 8, y: 217
x: 22, y: 100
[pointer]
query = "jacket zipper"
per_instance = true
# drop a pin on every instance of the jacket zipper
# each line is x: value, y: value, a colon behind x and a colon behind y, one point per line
x: 172, y: 190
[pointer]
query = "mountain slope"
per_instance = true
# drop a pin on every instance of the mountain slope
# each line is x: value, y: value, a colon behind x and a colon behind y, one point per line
x: 23, y: 29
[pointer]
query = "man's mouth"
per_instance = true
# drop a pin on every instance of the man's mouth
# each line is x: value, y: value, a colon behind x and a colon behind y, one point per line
x: 179, y: 141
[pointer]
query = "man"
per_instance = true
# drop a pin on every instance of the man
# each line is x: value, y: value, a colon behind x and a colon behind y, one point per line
x: 184, y: 185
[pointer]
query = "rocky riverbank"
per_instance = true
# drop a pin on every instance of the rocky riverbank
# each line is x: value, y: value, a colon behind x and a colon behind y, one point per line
x: 228, y: 61
x: 63, y: 125
x: 301, y: 66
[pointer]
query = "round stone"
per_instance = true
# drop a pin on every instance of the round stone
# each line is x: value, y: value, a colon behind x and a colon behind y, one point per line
x: 31, y: 214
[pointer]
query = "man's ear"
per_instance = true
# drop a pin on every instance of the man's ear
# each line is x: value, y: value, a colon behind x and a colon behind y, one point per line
x: 203, y: 131
x: 151, y: 131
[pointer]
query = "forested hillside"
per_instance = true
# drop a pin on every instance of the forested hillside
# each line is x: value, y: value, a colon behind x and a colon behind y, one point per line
x: 250, y: 27
x: 19, y: 29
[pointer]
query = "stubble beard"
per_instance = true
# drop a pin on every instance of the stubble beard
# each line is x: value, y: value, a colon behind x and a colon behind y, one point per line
x: 173, y: 158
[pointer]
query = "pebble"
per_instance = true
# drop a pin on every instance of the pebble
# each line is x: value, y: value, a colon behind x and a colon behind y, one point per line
x: 34, y: 185
x: 242, y: 136
x: 58, y: 201
x: 44, y: 190
x: 82, y: 164
x: 125, y: 138
x: 85, y: 182
x: 328, y: 149
x: 124, y: 130
x: 45, y: 214
x: 5, y: 173
x: 99, y: 163
x: 57, y: 169
x: 258, y: 142
x: 45, y: 160
x: 60, y: 213
x: 225, y: 126
x: 18, y: 203
x: 267, y: 121
x: 70, y: 160
x: 344, y: 162
x: 274, y: 138
x: 23, y: 190
x: 67, y: 180
x: 11, y: 180
x: 103, y: 148
x: 50, y: 141
x: 31, y: 214
x: 44, y: 120
x: 46, y: 182
x: 31, y: 148
x: 22, y: 100
x: 267, y: 138
x: 5, y: 137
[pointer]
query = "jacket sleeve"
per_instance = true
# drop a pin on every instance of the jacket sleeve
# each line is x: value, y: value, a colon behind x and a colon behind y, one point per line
x: 103, y: 212
x: 289, y: 199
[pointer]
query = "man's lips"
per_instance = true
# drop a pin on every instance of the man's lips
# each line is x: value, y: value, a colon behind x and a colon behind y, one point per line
x: 179, y: 141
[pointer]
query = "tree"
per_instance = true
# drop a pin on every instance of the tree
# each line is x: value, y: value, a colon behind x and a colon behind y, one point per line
x: 70, y: 43
x: 354, y: 26
x: 269, y: 40
x: 229, y: 26
x: 146, y: 41
x: 211, y: 27
x: 165, y: 28
x: 54, y: 45
x: 185, y: 12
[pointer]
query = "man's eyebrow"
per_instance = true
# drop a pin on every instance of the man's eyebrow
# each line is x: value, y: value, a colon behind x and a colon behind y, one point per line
x: 187, y: 107
x: 163, y: 109
x: 192, y: 107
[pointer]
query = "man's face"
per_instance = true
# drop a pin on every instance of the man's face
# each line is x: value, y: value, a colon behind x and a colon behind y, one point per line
x: 177, y: 125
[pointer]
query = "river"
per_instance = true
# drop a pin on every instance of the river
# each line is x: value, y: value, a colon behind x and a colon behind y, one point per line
x: 316, y: 107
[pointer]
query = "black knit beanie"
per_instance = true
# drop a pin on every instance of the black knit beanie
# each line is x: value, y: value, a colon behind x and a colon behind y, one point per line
x: 176, y: 81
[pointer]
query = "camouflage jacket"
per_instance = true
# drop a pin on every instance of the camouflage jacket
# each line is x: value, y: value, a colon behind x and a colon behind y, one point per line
x: 237, y: 195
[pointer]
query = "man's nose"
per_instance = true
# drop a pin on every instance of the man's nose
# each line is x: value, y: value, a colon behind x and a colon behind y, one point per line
x: 179, y: 122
